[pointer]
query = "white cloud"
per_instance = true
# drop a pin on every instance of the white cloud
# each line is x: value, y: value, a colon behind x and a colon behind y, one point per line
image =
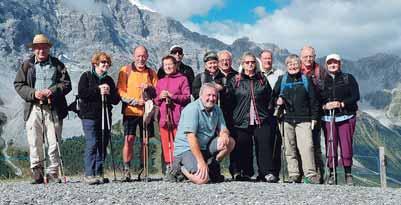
x: 182, y: 9
x: 260, y: 11
x: 354, y: 29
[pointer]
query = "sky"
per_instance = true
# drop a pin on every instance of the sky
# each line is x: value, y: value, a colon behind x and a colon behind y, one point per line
x: 352, y: 28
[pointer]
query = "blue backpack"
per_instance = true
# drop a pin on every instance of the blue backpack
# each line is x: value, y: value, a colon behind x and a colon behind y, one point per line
x: 284, y: 85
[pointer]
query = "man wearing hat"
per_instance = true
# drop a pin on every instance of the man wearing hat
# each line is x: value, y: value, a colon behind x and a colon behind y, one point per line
x: 186, y: 70
x: 211, y: 74
x: 42, y: 82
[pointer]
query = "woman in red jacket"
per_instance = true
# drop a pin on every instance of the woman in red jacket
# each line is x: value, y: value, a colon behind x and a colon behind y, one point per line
x: 173, y: 93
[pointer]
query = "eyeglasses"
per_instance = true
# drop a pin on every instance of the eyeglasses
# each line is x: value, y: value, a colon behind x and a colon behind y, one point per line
x: 177, y: 52
x: 249, y: 62
x: 105, y: 62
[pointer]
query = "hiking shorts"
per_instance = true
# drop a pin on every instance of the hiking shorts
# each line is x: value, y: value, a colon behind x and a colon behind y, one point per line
x: 188, y: 160
x: 130, y: 124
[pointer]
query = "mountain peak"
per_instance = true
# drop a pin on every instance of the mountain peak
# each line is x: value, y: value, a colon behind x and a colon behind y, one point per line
x: 141, y: 6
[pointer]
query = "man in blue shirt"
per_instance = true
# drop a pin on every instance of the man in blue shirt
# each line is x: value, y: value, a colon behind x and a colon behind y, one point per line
x: 202, y: 139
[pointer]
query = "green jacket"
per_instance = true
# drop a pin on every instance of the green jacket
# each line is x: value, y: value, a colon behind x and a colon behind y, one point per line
x: 24, y: 84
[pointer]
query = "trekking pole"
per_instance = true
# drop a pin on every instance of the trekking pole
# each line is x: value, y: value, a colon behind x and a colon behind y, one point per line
x: 103, y: 134
x: 283, y: 148
x: 111, y: 142
x: 44, y: 143
x: 61, y: 169
x: 145, y: 146
x: 169, y: 130
x: 331, y: 140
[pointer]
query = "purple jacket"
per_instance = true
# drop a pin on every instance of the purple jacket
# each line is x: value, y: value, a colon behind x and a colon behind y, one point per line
x: 177, y: 85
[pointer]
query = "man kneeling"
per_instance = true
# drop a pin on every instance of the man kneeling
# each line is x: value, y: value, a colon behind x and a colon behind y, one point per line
x: 197, y: 149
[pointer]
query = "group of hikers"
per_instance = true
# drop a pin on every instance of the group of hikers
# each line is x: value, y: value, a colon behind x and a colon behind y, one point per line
x: 257, y: 110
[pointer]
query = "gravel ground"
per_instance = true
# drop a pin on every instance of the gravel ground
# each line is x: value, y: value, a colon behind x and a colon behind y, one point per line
x: 158, y: 192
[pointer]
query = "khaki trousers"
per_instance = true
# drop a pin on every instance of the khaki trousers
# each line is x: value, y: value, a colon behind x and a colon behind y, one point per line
x: 52, y: 128
x: 298, y: 137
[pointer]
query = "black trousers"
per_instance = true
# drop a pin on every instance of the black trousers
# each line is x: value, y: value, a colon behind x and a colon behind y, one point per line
x: 263, y: 137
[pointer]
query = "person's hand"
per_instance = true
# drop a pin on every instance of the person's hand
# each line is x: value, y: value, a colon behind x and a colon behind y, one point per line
x: 224, y: 140
x: 280, y: 101
x: 332, y: 105
x: 39, y: 95
x: 47, y: 93
x: 203, y: 170
x: 218, y: 87
x: 140, y: 102
x: 164, y: 94
x: 104, y: 89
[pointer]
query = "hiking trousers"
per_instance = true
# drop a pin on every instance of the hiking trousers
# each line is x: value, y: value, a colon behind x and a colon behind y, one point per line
x: 342, y: 133
x: 298, y: 138
x: 35, y: 128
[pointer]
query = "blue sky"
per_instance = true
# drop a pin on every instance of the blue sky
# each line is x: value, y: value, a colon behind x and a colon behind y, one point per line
x: 237, y: 10
x: 352, y: 28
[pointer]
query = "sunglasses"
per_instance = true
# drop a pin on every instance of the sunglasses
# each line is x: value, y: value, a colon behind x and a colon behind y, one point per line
x: 249, y: 62
x: 104, y: 62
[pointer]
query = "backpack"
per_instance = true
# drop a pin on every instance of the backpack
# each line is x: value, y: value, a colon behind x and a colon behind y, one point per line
x: 285, y: 85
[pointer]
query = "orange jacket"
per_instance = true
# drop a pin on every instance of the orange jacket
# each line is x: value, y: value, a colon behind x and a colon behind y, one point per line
x: 132, y: 87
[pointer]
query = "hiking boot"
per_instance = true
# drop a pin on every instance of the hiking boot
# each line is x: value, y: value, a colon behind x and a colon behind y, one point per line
x: 91, y: 180
x: 242, y: 178
x: 53, y: 178
x: 260, y: 179
x: 294, y: 179
x: 126, y: 176
x: 215, y: 172
x: 348, y: 179
x: 312, y: 180
x: 331, y: 180
x: 37, y: 175
x: 102, y: 180
x: 270, y: 178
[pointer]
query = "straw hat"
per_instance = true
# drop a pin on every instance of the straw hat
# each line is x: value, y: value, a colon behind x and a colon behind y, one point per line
x: 40, y: 39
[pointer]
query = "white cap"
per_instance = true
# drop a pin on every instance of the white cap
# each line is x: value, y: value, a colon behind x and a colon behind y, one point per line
x: 333, y: 56
x: 175, y: 46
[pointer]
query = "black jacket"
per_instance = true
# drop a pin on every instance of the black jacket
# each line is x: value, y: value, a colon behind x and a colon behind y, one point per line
x: 301, y: 105
x: 344, y: 88
x: 225, y: 103
x: 183, y: 69
x: 24, y: 84
x: 205, y: 77
x: 90, y: 103
x: 239, y: 90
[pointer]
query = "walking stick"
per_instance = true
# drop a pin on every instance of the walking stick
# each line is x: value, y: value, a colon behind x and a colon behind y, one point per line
x: 43, y: 143
x: 103, y: 134
x: 331, y: 141
x: 148, y: 107
x: 169, y: 130
x: 61, y: 169
x: 111, y: 142
x: 283, y: 148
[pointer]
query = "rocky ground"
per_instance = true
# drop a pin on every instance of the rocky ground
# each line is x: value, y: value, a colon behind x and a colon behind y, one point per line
x: 159, y: 192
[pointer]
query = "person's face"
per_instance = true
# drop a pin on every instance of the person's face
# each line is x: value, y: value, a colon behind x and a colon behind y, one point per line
x: 293, y: 67
x: 212, y: 66
x: 102, y: 66
x: 178, y: 56
x: 140, y: 57
x: 267, y: 60
x: 41, y: 51
x: 333, y: 66
x: 209, y: 97
x: 169, y: 66
x: 249, y: 65
x: 307, y: 57
x: 225, y: 62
